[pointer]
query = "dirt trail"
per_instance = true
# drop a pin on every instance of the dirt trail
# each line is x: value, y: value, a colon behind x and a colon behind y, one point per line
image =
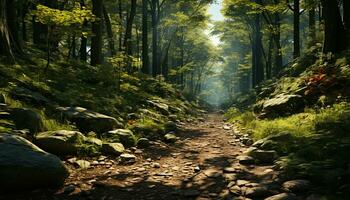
x: 200, y: 166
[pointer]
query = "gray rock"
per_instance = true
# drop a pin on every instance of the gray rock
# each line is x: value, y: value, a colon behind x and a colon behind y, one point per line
x: 113, y: 148
x: 263, y: 156
x: 25, y: 166
x: 88, y: 121
x: 143, y: 143
x: 283, y: 196
x: 282, y: 105
x: 124, y: 136
x: 171, y: 138
x: 60, y: 142
x: 247, y: 141
x: 27, y: 119
x: 297, y: 186
x: 127, y: 158
x: 246, y: 160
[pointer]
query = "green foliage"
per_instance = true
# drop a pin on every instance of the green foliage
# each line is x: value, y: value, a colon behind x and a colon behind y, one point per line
x: 50, y: 16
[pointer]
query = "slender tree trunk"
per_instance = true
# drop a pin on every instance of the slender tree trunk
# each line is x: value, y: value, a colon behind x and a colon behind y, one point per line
x: 258, y: 66
x: 296, y: 34
x: 120, y: 10
x: 312, y: 26
x: 278, y: 57
x: 96, y: 40
x: 5, y: 47
x: 83, y: 39
x: 145, y: 56
x: 109, y: 32
x: 155, y: 64
x: 334, y: 29
x: 269, y: 58
x: 128, y: 32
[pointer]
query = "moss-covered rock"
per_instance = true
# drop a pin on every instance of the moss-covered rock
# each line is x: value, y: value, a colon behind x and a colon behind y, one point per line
x: 124, y: 136
x: 27, y: 119
x: 87, y: 121
x: 113, y: 148
x: 60, y: 142
x: 281, y: 105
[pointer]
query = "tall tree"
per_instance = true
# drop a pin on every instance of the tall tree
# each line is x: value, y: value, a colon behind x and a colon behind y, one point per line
x: 155, y: 63
x: 145, y: 56
x: 296, y: 26
x: 96, y: 40
x: 83, y: 38
x: 11, y: 8
x: 257, y: 47
x: 109, y: 31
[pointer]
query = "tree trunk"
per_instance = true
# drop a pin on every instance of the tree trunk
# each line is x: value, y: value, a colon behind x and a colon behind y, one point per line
x: 109, y: 32
x: 334, y: 30
x: 121, y: 24
x: 145, y: 56
x: 128, y: 32
x: 346, y: 14
x: 11, y: 15
x: 269, y: 58
x: 83, y: 39
x: 5, y: 47
x: 278, y: 57
x: 155, y: 64
x: 96, y: 40
x: 296, y: 35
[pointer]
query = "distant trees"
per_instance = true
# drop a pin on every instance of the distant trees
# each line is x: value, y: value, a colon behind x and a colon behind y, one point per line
x: 96, y: 39
x: 5, y: 47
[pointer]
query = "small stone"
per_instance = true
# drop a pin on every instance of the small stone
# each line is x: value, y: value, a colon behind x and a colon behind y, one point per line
x: 197, y: 169
x: 69, y: 189
x: 95, y: 162
x: 212, y: 173
x: 83, y: 164
x: 230, y: 177
x: 176, y: 168
x: 143, y: 143
x: 138, y: 151
x: 229, y: 170
x: 246, y: 160
x: 284, y: 196
x: 72, y: 160
x: 242, y: 182
x: 231, y: 184
x: 225, y: 127
x: 155, y: 165
x: 235, y: 190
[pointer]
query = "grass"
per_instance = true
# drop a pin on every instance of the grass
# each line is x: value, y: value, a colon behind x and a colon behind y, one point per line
x: 333, y: 119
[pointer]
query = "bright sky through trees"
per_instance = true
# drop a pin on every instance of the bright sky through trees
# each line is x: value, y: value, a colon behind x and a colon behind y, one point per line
x: 216, y: 15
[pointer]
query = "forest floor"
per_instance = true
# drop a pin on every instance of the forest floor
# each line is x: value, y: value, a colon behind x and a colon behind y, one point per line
x: 203, y: 164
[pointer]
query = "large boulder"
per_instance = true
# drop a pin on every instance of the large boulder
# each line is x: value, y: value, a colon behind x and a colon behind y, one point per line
x: 87, y: 121
x: 281, y: 105
x: 124, y: 136
x: 60, y: 142
x: 263, y: 156
x: 27, y: 119
x: 25, y: 166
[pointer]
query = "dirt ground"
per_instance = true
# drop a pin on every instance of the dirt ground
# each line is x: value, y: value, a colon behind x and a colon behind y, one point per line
x: 201, y: 165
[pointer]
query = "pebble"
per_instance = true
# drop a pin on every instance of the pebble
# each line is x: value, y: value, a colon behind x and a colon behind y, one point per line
x: 155, y: 165
x: 69, y: 189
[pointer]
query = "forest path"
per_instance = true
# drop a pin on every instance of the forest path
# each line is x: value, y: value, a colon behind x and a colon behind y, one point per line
x: 203, y: 164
